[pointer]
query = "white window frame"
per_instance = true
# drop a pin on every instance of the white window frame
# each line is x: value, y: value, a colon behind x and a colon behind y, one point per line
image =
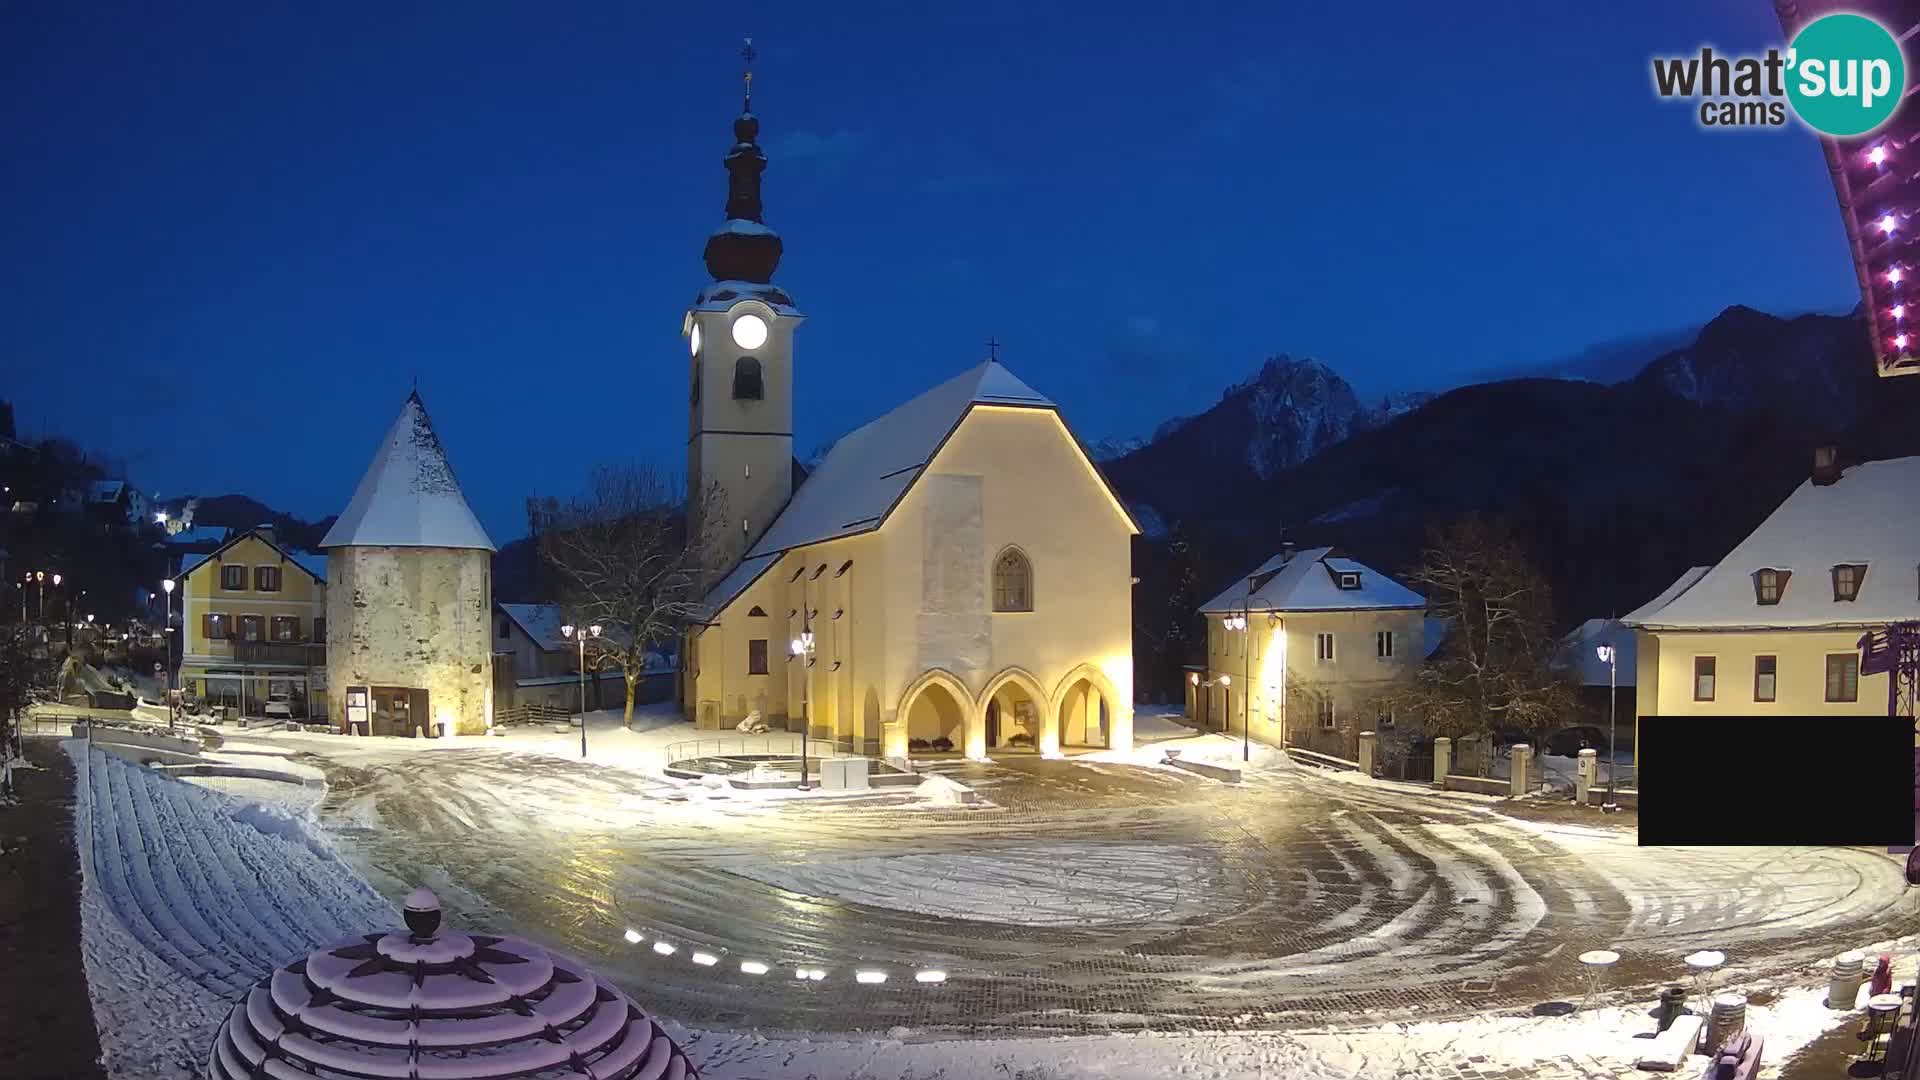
x: 1328, y: 712
x: 1694, y: 673
x: 1383, y: 644
x: 1323, y: 648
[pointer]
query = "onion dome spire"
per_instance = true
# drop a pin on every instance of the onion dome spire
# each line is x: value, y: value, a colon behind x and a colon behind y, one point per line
x: 744, y: 249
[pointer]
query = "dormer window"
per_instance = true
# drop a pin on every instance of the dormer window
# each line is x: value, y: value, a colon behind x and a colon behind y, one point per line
x: 1348, y: 580
x: 1770, y: 585
x: 1846, y: 580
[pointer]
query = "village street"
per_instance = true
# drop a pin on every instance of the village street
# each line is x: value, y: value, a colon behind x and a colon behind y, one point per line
x: 1083, y: 897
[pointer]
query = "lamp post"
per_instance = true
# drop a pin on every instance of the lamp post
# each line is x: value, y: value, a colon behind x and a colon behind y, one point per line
x: 580, y: 634
x: 802, y: 648
x: 166, y: 642
x: 1610, y: 658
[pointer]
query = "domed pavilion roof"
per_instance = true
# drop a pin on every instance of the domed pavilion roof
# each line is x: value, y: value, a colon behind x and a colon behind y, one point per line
x: 421, y: 1003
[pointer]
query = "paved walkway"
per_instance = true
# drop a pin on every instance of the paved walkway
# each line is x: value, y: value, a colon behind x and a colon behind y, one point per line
x: 1082, y: 898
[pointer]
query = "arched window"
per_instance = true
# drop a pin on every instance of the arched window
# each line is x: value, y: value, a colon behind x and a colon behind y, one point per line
x: 1012, y: 582
x: 746, y: 379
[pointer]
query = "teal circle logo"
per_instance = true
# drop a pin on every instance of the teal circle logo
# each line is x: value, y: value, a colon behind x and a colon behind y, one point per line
x: 1845, y: 75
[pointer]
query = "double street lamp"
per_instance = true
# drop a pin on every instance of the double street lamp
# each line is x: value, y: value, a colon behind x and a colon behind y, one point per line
x: 1610, y: 657
x: 580, y: 634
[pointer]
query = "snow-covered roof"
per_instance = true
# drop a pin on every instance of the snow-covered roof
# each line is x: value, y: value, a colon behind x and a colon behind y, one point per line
x: 199, y: 534
x: 1869, y: 517
x: 1308, y: 581
x: 312, y: 563
x: 869, y: 470
x: 542, y: 623
x: 1687, y: 580
x: 409, y: 497
x: 722, y: 295
x: 1578, y: 652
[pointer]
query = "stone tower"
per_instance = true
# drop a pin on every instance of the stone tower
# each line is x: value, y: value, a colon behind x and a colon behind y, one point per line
x: 410, y: 576
x: 740, y: 400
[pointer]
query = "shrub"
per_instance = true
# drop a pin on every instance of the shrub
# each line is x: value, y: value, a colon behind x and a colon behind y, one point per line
x: 1022, y: 739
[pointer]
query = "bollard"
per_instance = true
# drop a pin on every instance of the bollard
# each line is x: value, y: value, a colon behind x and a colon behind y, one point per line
x: 1517, y: 780
x: 1673, y: 1005
x: 1366, y: 753
x: 1585, y: 772
x: 1442, y: 760
x: 1843, y: 990
x: 1728, y: 1018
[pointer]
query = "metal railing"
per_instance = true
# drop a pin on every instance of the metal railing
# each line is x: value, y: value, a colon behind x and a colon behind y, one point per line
x: 533, y: 712
x: 775, y: 744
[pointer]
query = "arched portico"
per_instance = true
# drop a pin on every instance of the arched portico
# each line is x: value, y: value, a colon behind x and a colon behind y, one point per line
x: 1090, y: 713
x: 937, y: 705
x: 1013, y: 705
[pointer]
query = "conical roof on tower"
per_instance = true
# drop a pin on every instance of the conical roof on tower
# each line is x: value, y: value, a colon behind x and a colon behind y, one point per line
x: 409, y: 497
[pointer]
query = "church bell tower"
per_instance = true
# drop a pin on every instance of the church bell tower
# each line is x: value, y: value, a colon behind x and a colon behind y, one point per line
x: 740, y: 336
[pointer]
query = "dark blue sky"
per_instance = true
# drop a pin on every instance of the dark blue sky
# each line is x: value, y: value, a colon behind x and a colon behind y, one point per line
x: 233, y: 234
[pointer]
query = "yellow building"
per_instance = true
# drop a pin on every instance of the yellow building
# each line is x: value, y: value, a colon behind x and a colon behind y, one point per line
x: 255, y: 623
x: 955, y: 575
x: 1775, y: 626
x: 1310, y: 641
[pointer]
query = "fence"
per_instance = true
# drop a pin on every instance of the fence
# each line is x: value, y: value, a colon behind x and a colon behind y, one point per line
x: 532, y: 713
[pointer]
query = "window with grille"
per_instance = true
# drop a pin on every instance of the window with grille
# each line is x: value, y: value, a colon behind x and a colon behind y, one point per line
x: 233, y: 578
x: 1846, y: 580
x: 1843, y: 677
x: 1012, y: 582
x: 1766, y: 677
x: 1703, y: 670
x: 757, y: 656
x: 1324, y: 709
x: 266, y: 579
x: 1323, y: 648
x: 1769, y: 585
x: 1383, y: 644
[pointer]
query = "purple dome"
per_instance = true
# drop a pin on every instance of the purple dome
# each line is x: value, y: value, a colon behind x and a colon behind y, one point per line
x: 451, y: 1006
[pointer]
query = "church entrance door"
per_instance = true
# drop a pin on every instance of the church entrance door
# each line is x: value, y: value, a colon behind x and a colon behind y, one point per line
x: 993, y: 724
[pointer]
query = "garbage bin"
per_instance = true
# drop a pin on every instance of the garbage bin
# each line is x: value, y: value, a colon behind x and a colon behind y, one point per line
x: 1673, y: 1004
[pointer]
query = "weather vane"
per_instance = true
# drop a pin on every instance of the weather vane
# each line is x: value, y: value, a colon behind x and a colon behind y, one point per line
x: 747, y: 54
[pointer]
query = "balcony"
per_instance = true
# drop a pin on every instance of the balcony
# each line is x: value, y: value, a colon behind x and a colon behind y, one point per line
x: 288, y: 653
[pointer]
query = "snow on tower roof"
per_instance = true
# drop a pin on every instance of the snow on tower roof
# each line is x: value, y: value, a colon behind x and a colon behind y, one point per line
x: 409, y: 497
x: 868, y: 472
x: 1309, y: 581
x: 1869, y: 517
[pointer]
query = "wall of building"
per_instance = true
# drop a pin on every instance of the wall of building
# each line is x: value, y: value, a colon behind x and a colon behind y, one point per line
x: 202, y: 592
x: 915, y: 607
x: 413, y: 617
x: 1665, y: 676
x: 744, y: 446
x: 1272, y: 666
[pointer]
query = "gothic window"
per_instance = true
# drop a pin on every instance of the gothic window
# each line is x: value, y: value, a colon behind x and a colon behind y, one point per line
x: 1012, y: 582
x: 746, y: 379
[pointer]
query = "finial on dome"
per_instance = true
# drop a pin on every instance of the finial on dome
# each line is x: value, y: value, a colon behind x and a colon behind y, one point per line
x: 744, y: 249
x: 422, y: 912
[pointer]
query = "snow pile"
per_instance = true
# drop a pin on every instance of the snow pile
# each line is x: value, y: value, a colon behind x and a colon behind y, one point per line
x: 942, y: 791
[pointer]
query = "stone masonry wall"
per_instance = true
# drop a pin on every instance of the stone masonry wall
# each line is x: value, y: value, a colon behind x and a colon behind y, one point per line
x: 415, y: 617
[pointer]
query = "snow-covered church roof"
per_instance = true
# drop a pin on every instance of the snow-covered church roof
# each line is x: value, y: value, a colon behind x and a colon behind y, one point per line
x: 409, y: 498
x: 1869, y: 517
x: 1311, y: 580
x: 868, y: 472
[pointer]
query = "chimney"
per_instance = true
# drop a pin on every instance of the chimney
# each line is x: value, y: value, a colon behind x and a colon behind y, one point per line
x: 266, y: 533
x: 1286, y: 551
x: 1826, y: 465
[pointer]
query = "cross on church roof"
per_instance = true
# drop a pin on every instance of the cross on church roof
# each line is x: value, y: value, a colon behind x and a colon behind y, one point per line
x: 747, y: 54
x: 993, y: 348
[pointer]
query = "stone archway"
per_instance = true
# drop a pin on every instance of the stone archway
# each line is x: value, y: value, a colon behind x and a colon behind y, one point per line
x: 1089, y: 712
x: 938, y: 706
x: 1016, y: 715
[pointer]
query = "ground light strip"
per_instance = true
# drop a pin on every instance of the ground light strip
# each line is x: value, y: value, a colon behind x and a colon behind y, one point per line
x: 753, y: 967
x: 663, y: 948
x: 705, y: 959
x: 870, y: 976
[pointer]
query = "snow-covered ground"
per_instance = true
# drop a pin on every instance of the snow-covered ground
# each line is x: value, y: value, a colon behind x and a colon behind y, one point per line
x: 194, y: 889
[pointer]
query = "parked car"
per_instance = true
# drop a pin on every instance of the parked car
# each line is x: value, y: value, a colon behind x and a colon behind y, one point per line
x: 1568, y: 742
x: 279, y: 707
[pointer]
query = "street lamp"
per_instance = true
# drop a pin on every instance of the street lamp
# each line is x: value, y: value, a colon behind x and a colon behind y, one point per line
x: 166, y: 642
x: 802, y: 648
x: 584, y: 632
x: 1610, y: 658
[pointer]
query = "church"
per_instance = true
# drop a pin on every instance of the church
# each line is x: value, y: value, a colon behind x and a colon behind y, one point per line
x: 955, y: 576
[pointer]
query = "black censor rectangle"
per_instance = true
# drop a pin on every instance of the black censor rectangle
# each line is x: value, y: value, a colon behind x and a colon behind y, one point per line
x: 1748, y: 781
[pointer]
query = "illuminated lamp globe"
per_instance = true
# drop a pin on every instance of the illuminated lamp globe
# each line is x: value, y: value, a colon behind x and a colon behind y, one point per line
x: 693, y: 339
x: 425, y: 1001
x: 1877, y: 155
x: 749, y: 331
x: 1886, y: 223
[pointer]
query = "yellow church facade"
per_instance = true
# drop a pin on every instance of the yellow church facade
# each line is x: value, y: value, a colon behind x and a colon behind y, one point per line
x: 953, y: 577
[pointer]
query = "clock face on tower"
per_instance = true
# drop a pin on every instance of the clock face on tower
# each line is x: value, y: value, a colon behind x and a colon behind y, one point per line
x: 693, y: 339
x: 749, y: 331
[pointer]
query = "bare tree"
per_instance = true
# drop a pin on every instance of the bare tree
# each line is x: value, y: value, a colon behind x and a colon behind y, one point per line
x: 621, y: 558
x: 1493, y: 672
x: 20, y: 670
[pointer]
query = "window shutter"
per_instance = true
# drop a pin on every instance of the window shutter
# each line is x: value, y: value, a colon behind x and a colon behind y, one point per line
x: 206, y: 626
